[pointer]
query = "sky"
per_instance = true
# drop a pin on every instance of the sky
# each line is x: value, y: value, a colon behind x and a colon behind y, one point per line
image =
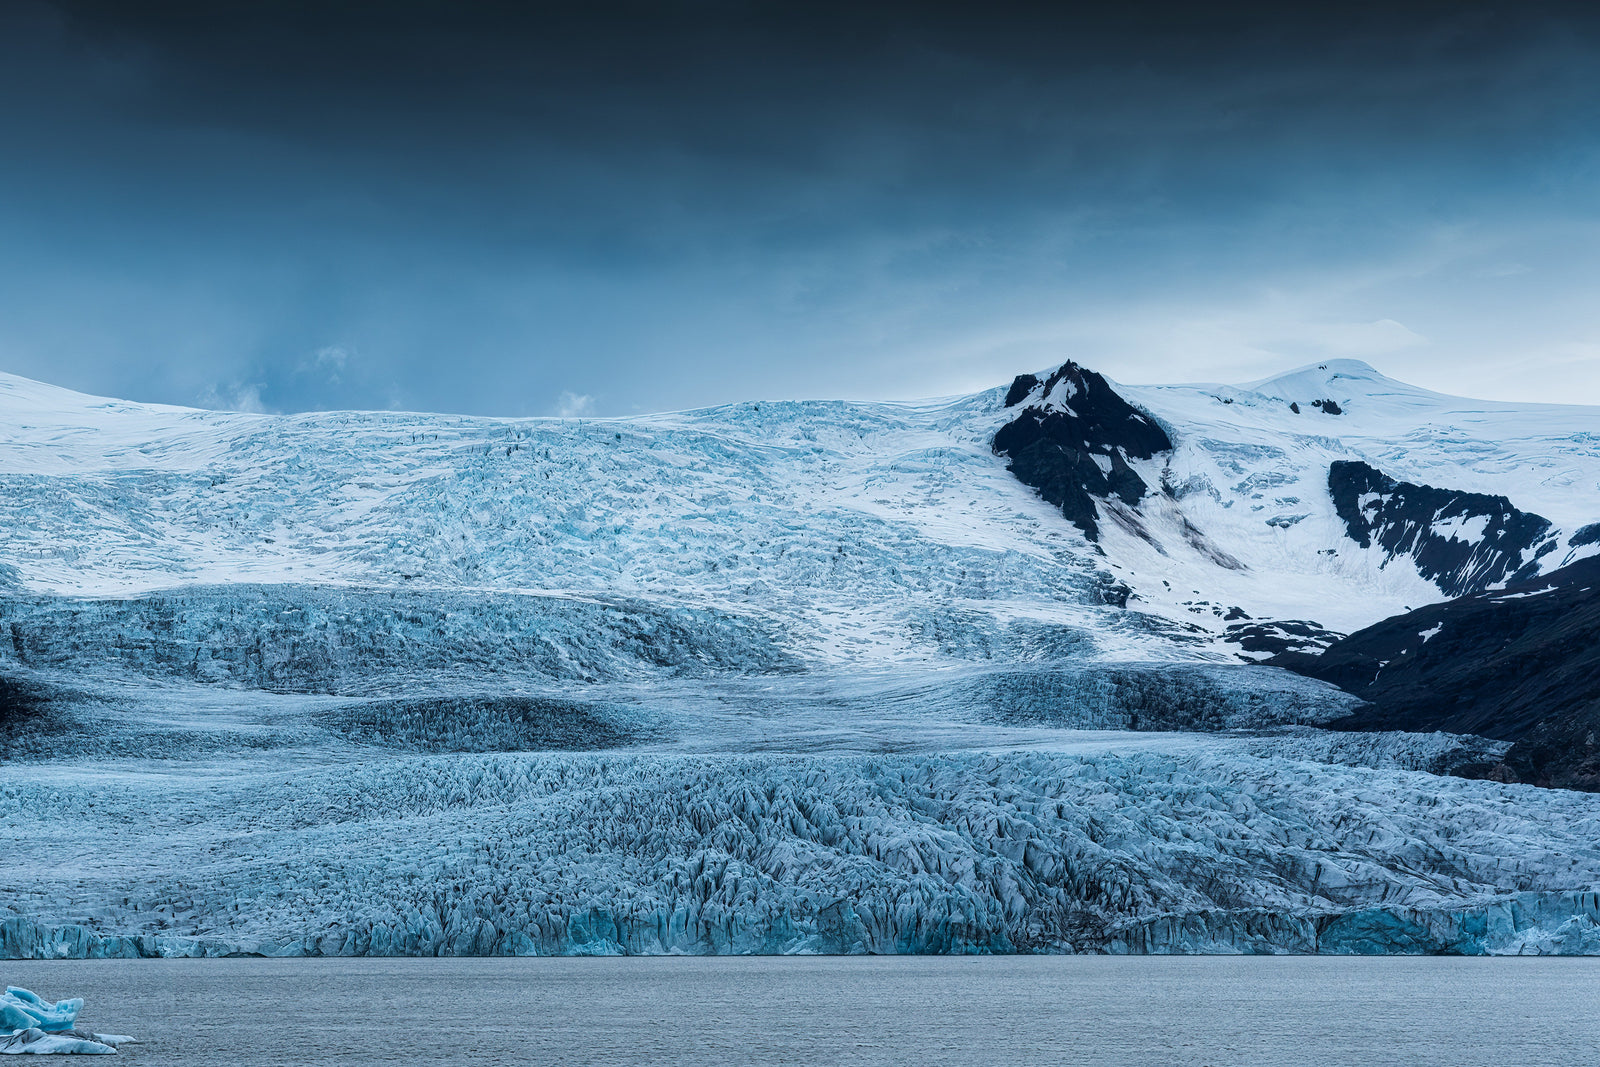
x: 609, y: 208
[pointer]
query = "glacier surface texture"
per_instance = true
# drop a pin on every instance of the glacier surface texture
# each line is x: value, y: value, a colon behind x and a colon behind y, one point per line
x: 787, y: 677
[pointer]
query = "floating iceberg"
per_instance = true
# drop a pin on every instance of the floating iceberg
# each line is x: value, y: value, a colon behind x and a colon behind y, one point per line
x: 22, y: 1008
x: 30, y: 1025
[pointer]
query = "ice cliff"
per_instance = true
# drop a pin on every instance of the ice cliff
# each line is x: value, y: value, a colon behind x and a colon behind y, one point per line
x: 1114, y: 847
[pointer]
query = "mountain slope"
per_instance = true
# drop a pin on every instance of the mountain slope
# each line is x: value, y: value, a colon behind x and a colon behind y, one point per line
x: 1072, y: 440
x: 1520, y: 664
x: 1248, y: 477
x: 1462, y: 542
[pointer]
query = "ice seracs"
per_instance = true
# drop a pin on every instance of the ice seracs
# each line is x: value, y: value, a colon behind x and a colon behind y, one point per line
x: 1107, y: 842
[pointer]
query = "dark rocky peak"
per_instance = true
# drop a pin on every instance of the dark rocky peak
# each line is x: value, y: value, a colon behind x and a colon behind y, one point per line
x: 1077, y: 399
x: 1072, y: 440
x: 1462, y: 542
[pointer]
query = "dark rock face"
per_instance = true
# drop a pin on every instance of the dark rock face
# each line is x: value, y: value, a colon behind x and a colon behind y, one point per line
x: 1072, y: 442
x: 1021, y: 386
x: 1462, y: 542
x: 1521, y: 664
x: 1280, y: 635
x: 1329, y: 407
x: 1586, y: 535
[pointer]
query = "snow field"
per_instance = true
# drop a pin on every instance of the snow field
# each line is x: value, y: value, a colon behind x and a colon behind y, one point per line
x: 1249, y: 478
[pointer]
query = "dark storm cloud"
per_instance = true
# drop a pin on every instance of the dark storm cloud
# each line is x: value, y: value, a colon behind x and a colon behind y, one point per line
x: 480, y: 208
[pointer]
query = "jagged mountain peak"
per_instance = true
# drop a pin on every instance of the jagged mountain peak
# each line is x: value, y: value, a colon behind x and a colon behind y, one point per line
x: 1072, y: 440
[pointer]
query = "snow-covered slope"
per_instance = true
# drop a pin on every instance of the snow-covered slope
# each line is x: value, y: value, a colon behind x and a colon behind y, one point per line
x: 861, y: 528
x: 1249, y: 476
x: 853, y: 523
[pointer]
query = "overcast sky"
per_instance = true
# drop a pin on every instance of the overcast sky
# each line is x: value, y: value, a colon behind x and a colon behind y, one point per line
x: 629, y: 207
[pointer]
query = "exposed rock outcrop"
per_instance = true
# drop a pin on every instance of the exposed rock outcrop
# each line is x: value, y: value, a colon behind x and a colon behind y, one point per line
x: 1072, y: 442
x: 1463, y: 542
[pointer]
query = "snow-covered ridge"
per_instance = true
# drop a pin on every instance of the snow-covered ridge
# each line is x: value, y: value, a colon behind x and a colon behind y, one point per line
x: 1544, y: 457
x: 1463, y: 542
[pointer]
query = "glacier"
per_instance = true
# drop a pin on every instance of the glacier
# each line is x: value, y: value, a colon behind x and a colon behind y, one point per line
x: 1110, y: 844
x: 776, y: 677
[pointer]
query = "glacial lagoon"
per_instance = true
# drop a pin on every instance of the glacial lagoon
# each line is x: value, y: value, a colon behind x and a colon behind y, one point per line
x: 869, y: 1011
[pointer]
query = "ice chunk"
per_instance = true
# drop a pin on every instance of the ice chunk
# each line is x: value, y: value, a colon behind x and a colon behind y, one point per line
x: 22, y: 1009
x: 30, y: 1025
x: 39, y: 1043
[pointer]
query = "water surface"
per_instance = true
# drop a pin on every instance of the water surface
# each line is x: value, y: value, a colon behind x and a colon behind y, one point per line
x: 870, y: 1011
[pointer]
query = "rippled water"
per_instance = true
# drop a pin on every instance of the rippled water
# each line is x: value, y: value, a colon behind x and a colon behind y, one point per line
x: 989, y: 1011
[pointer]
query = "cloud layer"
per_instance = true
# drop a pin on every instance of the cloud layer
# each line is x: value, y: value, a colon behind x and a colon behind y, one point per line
x: 646, y: 206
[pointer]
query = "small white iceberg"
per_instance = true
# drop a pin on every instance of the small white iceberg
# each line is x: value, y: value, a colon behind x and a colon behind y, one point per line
x: 32, y: 1025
